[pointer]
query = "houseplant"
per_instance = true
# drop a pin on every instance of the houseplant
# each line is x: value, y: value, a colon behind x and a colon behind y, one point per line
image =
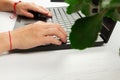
x: 89, y: 26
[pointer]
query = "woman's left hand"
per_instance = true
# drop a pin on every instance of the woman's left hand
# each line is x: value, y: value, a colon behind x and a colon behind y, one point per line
x: 23, y: 9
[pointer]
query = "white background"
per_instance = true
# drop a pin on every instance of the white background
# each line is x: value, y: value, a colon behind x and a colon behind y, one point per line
x: 98, y: 63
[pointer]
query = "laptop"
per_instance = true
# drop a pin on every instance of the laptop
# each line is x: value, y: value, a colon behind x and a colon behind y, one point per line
x: 66, y: 21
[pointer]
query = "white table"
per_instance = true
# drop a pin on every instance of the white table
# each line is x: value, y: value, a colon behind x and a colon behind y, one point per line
x: 98, y: 63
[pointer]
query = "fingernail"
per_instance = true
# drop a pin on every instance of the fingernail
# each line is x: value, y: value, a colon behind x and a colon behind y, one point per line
x: 49, y: 14
x: 59, y: 43
x: 32, y: 16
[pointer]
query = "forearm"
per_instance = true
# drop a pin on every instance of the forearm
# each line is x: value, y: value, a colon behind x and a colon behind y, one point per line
x: 4, y: 42
x: 6, y: 5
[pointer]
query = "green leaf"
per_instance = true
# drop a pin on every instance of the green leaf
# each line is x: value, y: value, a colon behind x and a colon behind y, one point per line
x: 85, y: 31
x: 113, y: 7
x: 114, y: 14
x: 86, y: 9
x: 115, y: 3
x: 76, y: 5
x: 105, y: 3
x: 110, y: 3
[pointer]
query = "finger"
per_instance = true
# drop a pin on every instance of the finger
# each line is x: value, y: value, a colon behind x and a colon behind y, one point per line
x: 61, y: 29
x: 28, y: 14
x: 56, y: 32
x: 51, y: 40
x: 44, y: 9
x: 37, y: 8
x: 50, y: 14
x: 57, y: 26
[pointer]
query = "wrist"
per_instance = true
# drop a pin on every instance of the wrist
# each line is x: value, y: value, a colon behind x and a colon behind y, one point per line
x: 15, y: 6
x: 8, y: 5
x: 8, y: 41
x: 14, y: 9
x: 13, y: 39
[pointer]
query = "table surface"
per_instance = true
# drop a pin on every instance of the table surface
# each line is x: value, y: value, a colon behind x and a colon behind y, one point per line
x: 98, y: 63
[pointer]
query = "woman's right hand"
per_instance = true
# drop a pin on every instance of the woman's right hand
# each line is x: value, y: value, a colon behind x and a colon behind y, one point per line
x: 37, y: 34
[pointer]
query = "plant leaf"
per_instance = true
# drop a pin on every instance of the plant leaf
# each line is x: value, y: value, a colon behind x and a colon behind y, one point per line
x: 76, y: 5
x: 105, y: 3
x: 114, y: 3
x: 114, y: 10
x: 86, y: 9
x: 85, y: 31
x: 114, y: 14
x: 110, y: 3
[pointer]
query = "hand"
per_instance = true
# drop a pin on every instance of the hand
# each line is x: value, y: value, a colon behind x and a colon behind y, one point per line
x: 36, y: 34
x: 23, y: 7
